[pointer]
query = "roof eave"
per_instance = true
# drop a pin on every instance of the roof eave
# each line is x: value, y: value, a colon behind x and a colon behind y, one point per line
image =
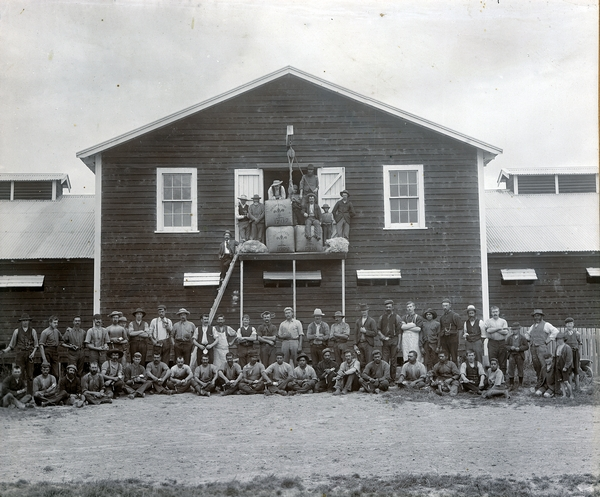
x: 87, y: 155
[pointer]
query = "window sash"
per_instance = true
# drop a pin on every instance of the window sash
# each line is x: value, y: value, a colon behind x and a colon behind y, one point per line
x: 177, y: 200
x: 404, y: 197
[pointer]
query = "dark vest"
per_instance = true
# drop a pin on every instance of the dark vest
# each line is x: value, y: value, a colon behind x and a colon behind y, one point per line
x: 471, y: 372
x: 24, y: 339
x: 473, y: 330
x: 538, y: 335
x: 389, y: 327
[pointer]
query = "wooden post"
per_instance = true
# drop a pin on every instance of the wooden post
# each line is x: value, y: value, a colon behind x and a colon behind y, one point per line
x: 343, y: 287
x: 294, y: 284
x: 241, y: 290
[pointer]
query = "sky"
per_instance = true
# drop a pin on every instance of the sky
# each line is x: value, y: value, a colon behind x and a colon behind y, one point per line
x: 520, y: 75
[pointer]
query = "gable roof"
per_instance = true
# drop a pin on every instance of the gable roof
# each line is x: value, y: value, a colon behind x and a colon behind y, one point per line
x: 87, y: 155
x: 44, y: 229
x: 62, y: 177
x: 568, y: 222
x: 537, y: 171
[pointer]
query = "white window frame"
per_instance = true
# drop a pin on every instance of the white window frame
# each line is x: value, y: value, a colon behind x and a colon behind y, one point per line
x: 386, y: 198
x: 160, y: 218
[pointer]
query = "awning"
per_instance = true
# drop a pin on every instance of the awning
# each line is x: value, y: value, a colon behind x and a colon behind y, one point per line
x: 378, y: 274
x: 18, y: 281
x: 518, y: 274
x: 201, y: 279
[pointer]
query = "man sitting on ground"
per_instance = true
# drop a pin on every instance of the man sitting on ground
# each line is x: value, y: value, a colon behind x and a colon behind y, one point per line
x: 180, y: 377
x: 136, y: 382
x: 376, y: 376
x: 326, y: 370
x: 305, y: 377
x: 346, y: 379
x: 547, y: 386
x: 14, y: 390
x: 445, y: 376
x: 252, y: 380
x: 230, y: 375
x: 472, y: 374
x: 495, y: 386
x: 205, y: 378
x: 69, y: 389
x: 112, y: 373
x: 92, y: 387
x: 413, y: 373
x: 44, y: 386
x: 157, y: 372
x: 278, y: 376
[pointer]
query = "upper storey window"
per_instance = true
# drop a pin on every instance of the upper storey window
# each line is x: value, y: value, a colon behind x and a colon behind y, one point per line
x: 177, y: 200
x: 404, y: 197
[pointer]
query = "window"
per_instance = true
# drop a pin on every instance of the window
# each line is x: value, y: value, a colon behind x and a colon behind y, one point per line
x: 404, y: 197
x: 176, y: 200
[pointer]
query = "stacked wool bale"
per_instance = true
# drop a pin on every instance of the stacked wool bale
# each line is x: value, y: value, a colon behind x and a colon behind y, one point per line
x: 282, y: 235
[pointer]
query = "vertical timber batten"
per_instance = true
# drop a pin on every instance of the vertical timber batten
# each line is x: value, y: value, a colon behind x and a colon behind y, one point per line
x: 241, y: 291
x: 485, y: 288
x: 343, y: 287
x: 98, y: 233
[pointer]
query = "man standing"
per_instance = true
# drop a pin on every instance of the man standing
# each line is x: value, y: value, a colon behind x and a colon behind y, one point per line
x: 326, y: 222
x: 136, y: 382
x: 326, y: 372
x: 157, y: 373
x: 14, y: 390
x: 180, y: 377
x: 389, y: 329
x: 338, y: 335
x: 413, y: 373
x: 516, y: 346
x: 496, y: 330
x: 183, y: 333
x: 495, y: 386
x: 430, y: 338
x: 346, y: 379
x: 242, y: 218
x: 472, y: 374
x: 222, y: 333
x: 205, y: 378
x: 365, y: 333
x: 227, y: 249
x: 445, y: 376
x: 412, y: 324
x: 246, y: 339
x: 290, y: 333
x: 450, y: 323
x: 96, y: 340
x: 92, y: 387
x: 139, y: 334
x: 563, y: 357
x: 204, y: 340
x: 50, y: 340
x: 24, y: 342
x: 267, y: 338
x: 540, y: 334
x: 44, y: 386
x: 117, y: 334
x: 473, y: 333
x: 573, y: 340
x: 305, y: 377
x: 376, y: 376
x: 309, y: 184
x: 256, y: 215
x: 73, y: 341
x: 112, y: 373
x: 160, y: 329
x: 252, y: 377
x: 317, y: 334
x: 343, y: 212
x: 230, y: 375
x: 312, y: 217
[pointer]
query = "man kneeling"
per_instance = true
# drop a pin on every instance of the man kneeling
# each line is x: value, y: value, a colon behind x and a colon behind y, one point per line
x: 376, y: 376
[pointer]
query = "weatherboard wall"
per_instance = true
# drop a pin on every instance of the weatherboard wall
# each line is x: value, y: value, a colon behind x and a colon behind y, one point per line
x: 144, y: 268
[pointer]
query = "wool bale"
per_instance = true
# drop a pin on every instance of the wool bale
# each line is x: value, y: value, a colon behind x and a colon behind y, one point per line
x: 280, y: 239
x: 278, y: 213
x: 337, y: 244
x: 253, y: 247
x: 304, y: 244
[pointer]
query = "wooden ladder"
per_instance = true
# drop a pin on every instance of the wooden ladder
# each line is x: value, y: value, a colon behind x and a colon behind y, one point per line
x: 222, y: 289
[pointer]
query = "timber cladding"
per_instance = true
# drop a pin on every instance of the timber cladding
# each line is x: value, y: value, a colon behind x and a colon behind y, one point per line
x: 68, y: 291
x: 561, y: 290
x: 144, y: 268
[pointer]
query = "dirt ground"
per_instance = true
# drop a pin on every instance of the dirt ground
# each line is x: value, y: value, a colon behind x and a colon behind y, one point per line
x: 194, y: 440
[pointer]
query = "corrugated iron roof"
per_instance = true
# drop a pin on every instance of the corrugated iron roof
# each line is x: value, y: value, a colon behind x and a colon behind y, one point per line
x: 537, y: 171
x: 43, y: 229
x: 62, y: 177
x: 568, y: 222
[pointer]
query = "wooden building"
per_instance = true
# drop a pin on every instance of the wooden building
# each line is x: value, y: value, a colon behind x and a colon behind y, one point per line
x: 46, y: 251
x: 544, y: 244
x: 417, y: 188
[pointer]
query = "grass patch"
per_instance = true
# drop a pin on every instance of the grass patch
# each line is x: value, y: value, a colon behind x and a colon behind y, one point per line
x: 401, y: 485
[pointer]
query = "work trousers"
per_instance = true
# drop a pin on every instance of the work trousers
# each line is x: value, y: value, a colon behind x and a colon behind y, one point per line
x: 289, y: 348
x: 366, y: 353
x: 22, y: 360
x: 244, y: 352
x: 77, y: 358
x: 343, y: 229
x: 389, y: 353
x: 248, y: 389
x: 97, y: 356
x: 339, y: 348
x: 476, y: 347
x: 51, y: 354
x: 537, y: 357
x: 316, y: 352
x: 311, y: 221
x: 431, y: 355
x: 139, y: 345
x: 301, y: 386
x: 370, y: 387
x: 165, y: 347
x: 347, y: 383
x: 515, y: 361
x: 327, y: 383
x: 267, y: 354
x: 91, y: 399
x: 497, y: 350
x: 137, y: 388
x: 449, y: 344
x: 258, y: 232
x: 183, y: 349
x: 282, y: 386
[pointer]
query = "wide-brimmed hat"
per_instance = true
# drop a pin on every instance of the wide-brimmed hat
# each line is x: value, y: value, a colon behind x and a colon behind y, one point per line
x: 301, y: 355
x: 269, y: 313
x: 122, y: 319
x: 277, y: 182
x: 183, y: 311
x: 471, y: 307
x: 256, y: 196
x: 242, y: 197
x: 364, y: 307
x: 344, y: 191
x: 537, y: 311
x: 338, y: 314
x: 115, y: 313
x: 139, y: 309
x: 112, y: 351
x: 24, y: 317
x: 430, y: 311
x: 318, y: 312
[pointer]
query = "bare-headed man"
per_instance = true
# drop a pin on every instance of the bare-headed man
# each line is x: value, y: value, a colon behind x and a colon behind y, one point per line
x: 291, y: 334
x: 24, y: 342
x: 50, y: 340
x: 96, y: 340
x: 161, y: 329
x: 278, y: 376
x: 74, y: 342
x: 205, y: 378
x: 376, y: 375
